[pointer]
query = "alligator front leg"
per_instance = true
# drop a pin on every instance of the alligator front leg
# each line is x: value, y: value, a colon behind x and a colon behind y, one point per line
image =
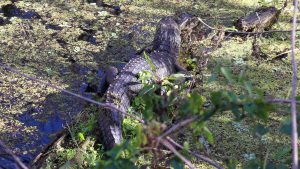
x: 109, y: 76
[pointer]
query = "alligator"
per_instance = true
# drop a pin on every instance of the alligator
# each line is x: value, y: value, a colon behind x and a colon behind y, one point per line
x: 126, y: 85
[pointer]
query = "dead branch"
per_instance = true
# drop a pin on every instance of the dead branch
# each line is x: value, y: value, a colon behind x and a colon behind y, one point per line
x: 16, y: 158
x: 286, y: 52
x: 177, y: 126
x: 173, y: 149
x: 280, y: 101
x: 201, y: 157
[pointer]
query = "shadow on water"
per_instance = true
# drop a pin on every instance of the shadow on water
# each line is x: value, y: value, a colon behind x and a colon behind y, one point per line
x: 10, y: 10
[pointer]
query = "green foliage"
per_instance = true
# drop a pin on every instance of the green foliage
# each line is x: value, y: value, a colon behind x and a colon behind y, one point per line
x: 191, y: 63
x: 286, y: 126
x: 149, y: 62
x: 161, y: 103
x: 248, y: 103
x: 156, y: 100
x: 193, y: 105
x: 260, y: 130
x: 49, y: 72
x: 177, y: 164
x: 145, y: 76
x: 68, y: 154
x: 122, y: 156
x: 84, y: 129
x: 81, y: 136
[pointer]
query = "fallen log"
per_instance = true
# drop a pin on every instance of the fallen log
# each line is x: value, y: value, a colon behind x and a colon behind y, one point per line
x: 260, y: 19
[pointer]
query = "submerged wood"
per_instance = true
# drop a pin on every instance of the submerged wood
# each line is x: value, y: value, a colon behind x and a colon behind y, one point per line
x: 259, y: 20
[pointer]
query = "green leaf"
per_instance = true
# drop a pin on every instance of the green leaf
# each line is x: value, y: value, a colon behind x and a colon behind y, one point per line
x: 176, y: 76
x: 116, y: 151
x: 216, y: 97
x: 260, y: 130
x: 250, y: 108
x: 282, y: 153
x: 262, y: 109
x: 81, y: 136
x: 194, y: 104
x: 147, y: 89
x: 67, y: 165
x: 208, y: 135
x: 241, y: 77
x: 252, y: 164
x: 249, y: 88
x: 145, y: 76
x: 231, y: 164
x: 124, y: 164
x: 227, y: 73
x: 176, y: 164
x: 237, y: 113
x: 140, y: 138
x: 212, y: 78
x: 186, y: 146
x: 286, y: 127
x: 232, y: 96
x: 149, y: 61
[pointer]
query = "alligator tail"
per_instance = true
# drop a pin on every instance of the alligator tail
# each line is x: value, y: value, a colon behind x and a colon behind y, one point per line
x: 110, y: 131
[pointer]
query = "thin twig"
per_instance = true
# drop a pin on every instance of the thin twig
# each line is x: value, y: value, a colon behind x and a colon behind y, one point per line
x: 294, y: 87
x: 154, y: 149
x: 16, y: 158
x: 280, y: 101
x: 286, y: 52
x: 110, y: 106
x: 177, y: 126
x: 201, y: 157
x: 245, y: 33
x: 173, y: 149
x: 72, y: 135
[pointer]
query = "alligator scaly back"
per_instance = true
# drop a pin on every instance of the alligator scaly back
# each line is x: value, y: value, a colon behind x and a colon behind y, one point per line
x: 126, y: 85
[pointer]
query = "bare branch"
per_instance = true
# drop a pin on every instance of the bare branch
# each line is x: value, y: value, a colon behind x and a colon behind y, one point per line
x: 177, y: 126
x: 171, y: 148
x: 201, y: 157
x: 105, y: 105
x: 16, y: 158
x: 286, y: 52
x: 294, y: 87
x: 280, y: 101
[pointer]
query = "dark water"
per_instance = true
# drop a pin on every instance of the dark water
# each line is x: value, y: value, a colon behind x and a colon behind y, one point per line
x: 10, y: 10
x: 48, y: 119
x: 54, y: 27
x: 88, y: 38
x: 37, y: 140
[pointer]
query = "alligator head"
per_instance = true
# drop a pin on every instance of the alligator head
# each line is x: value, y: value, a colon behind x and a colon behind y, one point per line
x: 167, y: 38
